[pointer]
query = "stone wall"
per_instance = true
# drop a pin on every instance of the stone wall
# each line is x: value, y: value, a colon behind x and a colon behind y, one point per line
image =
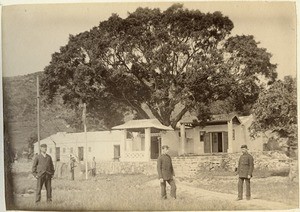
x: 191, y: 166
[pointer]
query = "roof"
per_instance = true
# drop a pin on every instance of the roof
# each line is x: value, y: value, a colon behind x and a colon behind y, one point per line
x: 98, y: 136
x: 141, y: 124
x: 245, y: 119
x: 216, y: 119
x: 224, y: 118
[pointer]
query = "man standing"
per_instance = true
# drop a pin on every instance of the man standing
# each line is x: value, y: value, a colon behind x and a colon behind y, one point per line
x: 43, y: 171
x: 166, y: 173
x: 244, y: 170
x: 72, y: 166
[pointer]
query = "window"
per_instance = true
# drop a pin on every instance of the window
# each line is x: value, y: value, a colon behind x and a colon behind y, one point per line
x: 179, y: 134
x: 90, y: 149
x: 71, y: 150
x: 202, y: 134
x: 233, y: 134
x: 116, y: 151
x: 129, y: 135
x: 80, y: 154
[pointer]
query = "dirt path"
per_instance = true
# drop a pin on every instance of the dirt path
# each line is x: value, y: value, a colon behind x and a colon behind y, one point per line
x: 188, y: 190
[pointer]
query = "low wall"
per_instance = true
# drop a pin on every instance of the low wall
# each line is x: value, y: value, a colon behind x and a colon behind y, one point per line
x: 147, y: 168
x: 191, y: 166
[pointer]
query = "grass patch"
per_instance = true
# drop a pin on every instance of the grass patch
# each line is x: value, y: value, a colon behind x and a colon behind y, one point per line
x: 114, y: 192
x: 277, y: 189
x: 131, y: 192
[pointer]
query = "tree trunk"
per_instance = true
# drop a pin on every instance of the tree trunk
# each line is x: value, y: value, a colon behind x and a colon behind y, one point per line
x: 178, y: 117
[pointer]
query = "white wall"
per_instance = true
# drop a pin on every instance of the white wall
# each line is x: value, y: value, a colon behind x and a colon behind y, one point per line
x: 102, y: 151
x: 198, y: 146
x: 171, y: 138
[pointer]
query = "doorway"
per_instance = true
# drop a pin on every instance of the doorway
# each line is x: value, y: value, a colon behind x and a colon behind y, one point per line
x: 117, y: 152
x: 57, y: 153
x: 217, y: 142
x: 80, y: 154
x: 155, y: 147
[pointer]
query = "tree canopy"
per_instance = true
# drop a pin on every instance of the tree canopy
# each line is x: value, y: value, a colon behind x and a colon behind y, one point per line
x: 159, y: 64
x: 276, y: 111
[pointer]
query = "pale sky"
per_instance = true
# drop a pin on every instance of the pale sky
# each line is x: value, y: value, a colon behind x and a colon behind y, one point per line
x: 31, y: 33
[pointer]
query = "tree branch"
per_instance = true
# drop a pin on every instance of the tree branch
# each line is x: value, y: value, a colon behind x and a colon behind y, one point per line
x: 178, y: 117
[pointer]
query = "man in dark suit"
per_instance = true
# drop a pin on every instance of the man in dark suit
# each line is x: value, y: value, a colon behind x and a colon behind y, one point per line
x: 166, y: 173
x: 244, y: 171
x: 43, y: 171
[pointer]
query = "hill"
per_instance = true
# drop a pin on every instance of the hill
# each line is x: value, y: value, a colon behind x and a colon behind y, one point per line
x: 19, y: 109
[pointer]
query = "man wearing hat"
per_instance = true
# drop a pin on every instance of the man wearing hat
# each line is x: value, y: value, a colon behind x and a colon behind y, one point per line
x: 244, y: 170
x: 166, y: 173
x: 43, y: 171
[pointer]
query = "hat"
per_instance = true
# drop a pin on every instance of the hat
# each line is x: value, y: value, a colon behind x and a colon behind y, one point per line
x: 244, y: 147
x: 43, y: 145
x: 165, y: 147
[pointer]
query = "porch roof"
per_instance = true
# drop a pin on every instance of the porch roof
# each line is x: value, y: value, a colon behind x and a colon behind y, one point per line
x: 142, y: 124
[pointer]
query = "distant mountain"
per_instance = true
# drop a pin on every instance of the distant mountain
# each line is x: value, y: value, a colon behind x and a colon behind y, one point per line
x: 20, y: 106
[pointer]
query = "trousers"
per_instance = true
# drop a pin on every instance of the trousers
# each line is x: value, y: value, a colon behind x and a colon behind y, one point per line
x: 44, y: 179
x: 240, y: 188
x: 163, y: 188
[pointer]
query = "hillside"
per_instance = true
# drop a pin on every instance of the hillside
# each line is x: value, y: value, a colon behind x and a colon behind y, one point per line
x: 19, y: 101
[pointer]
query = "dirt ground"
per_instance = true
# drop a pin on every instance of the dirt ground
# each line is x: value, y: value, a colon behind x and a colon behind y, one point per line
x: 141, y: 192
x: 186, y: 189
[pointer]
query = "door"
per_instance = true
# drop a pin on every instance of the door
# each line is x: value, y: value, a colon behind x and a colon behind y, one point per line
x: 117, y: 154
x: 220, y: 142
x: 80, y: 154
x: 207, y: 146
x: 214, y: 139
x: 155, y: 147
x: 217, y: 142
x: 57, y: 154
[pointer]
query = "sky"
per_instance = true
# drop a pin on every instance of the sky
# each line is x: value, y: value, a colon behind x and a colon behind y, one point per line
x: 32, y: 33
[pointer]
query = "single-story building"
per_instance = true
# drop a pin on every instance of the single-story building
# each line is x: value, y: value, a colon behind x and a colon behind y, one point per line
x: 222, y: 134
x: 141, y: 140
x: 103, y: 145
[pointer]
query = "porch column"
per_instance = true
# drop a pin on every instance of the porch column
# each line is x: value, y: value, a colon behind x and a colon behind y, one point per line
x: 230, y: 134
x: 122, y: 145
x: 182, y: 139
x: 147, y: 143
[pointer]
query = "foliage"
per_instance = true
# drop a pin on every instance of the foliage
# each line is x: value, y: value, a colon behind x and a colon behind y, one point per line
x: 151, y: 62
x: 19, y: 108
x: 8, y: 160
x: 30, y: 141
x: 276, y: 111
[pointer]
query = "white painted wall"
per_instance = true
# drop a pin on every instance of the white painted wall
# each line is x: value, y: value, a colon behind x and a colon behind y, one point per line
x: 171, y: 138
x: 99, y: 145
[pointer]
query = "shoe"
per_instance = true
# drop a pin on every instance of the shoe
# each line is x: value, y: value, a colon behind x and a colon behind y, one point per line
x: 49, y: 200
x: 173, y: 198
x: 248, y: 198
x: 238, y: 199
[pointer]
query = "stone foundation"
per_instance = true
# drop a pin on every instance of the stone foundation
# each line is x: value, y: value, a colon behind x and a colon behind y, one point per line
x: 191, y: 166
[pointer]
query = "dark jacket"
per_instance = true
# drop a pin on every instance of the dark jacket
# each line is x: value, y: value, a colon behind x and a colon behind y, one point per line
x: 42, y: 165
x: 164, y: 167
x: 245, y: 166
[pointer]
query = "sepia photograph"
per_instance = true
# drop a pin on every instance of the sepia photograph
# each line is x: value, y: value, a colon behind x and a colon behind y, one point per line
x: 150, y: 106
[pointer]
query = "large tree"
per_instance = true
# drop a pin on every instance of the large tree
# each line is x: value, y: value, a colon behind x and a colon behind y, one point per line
x: 159, y: 64
x: 276, y: 111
